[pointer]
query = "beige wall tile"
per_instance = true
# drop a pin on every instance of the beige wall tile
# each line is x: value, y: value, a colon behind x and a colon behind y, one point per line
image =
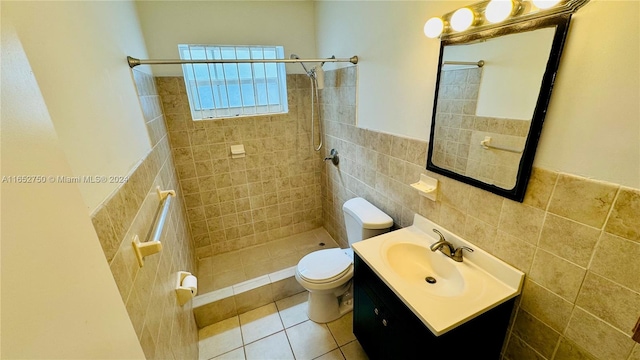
x: 597, y: 337
x: 454, y: 193
x: 106, y: 234
x: 535, y: 333
x: 568, y: 239
x: 480, y: 233
x: 545, y: 270
x: 617, y: 259
x: 624, y: 220
x: 518, y: 349
x: 521, y: 221
x: 253, y: 299
x: 485, y: 206
x: 582, y: 200
x: 514, y: 251
x: 204, y: 154
x: 550, y: 308
x: 214, y: 312
x: 540, y: 187
x: 452, y: 219
x: 610, y: 302
x: 568, y: 350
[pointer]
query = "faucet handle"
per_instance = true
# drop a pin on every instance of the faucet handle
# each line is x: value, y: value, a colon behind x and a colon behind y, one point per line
x: 457, y: 254
x: 439, y: 234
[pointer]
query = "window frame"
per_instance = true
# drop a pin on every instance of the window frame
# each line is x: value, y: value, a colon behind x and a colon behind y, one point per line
x: 267, y: 80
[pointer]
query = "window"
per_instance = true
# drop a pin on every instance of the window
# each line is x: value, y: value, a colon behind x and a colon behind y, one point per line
x: 234, y: 89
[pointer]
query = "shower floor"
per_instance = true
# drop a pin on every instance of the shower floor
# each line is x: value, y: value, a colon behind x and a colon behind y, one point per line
x: 224, y: 270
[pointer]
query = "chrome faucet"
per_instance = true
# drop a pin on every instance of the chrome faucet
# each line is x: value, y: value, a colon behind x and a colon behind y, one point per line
x: 447, y: 248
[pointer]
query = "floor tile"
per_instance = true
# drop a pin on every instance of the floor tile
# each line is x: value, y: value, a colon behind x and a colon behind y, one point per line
x: 293, y: 310
x: 254, y: 254
x: 310, y: 340
x: 281, y: 248
x: 274, y: 347
x: 353, y: 351
x: 342, y: 329
x: 333, y: 355
x: 259, y: 323
x: 219, y: 338
x: 237, y: 354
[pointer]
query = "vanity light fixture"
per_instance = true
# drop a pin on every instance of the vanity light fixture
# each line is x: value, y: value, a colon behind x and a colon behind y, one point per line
x: 491, y: 14
x: 462, y: 19
x: 545, y: 4
x: 499, y: 10
x: 433, y: 27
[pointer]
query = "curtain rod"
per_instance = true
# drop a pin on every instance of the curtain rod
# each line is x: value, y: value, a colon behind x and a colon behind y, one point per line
x: 133, y: 62
x: 478, y: 63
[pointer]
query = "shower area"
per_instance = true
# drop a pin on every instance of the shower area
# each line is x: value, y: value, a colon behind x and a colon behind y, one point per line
x: 257, y: 216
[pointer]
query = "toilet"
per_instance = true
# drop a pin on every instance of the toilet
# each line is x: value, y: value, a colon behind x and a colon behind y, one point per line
x: 327, y: 274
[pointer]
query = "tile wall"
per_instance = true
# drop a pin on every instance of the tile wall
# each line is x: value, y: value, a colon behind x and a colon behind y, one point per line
x: 459, y: 131
x: 577, y: 239
x: 272, y: 193
x: 165, y: 329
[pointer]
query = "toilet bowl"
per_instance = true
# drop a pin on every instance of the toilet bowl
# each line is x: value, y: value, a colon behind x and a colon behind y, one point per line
x: 327, y: 274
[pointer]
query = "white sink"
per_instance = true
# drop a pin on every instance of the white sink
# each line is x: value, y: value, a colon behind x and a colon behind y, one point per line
x: 461, y: 291
x: 417, y: 263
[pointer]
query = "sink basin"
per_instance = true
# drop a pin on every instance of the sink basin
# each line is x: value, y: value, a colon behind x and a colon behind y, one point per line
x: 424, y: 268
x: 456, y: 291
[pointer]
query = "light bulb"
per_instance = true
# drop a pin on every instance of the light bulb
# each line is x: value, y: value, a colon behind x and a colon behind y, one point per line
x: 498, y: 10
x: 462, y: 19
x: 545, y: 4
x: 433, y: 27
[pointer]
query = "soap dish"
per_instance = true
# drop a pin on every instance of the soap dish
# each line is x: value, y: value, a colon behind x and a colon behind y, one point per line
x: 427, y: 187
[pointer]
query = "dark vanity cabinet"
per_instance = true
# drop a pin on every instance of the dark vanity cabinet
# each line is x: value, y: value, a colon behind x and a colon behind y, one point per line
x: 387, y: 329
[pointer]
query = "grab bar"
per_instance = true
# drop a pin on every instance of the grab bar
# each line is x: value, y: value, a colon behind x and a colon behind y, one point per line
x: 153, y: 246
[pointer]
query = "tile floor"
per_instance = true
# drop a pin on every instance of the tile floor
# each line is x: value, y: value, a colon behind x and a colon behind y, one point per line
x: 220, y: 271
x: 280, y: 331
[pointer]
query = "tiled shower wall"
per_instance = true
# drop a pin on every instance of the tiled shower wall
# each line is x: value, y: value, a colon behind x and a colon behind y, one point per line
x: 459, y: 131
x: 165, y: 329
x: 272, y: 193
x: 577, y: 240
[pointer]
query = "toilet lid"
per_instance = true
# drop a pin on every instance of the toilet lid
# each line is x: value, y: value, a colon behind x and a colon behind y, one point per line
x: 324, y: 265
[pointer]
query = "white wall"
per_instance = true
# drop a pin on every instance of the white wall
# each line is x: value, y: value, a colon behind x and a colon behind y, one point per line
x: 398, y: 64
x: 512, y: 73
x: 166, y: 24
x: 78, y: 54
x: 59, y: 299
x: 593, y: 123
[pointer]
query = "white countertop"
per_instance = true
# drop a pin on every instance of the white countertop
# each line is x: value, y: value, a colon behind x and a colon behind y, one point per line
x: 487, y: 281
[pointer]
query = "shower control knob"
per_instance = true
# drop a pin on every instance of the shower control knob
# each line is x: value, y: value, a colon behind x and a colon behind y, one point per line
x: 333, y: 156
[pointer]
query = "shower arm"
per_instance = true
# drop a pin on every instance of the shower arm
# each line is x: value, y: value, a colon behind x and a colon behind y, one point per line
x: 133, y: 62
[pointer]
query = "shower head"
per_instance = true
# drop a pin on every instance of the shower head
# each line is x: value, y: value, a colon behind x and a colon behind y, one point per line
x: 294, y: 56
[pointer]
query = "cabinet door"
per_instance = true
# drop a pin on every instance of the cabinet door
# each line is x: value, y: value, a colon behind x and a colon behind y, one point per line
x: 365, y: 322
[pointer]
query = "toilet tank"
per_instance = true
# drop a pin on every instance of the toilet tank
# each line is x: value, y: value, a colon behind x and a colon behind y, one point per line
x: 363, y: 220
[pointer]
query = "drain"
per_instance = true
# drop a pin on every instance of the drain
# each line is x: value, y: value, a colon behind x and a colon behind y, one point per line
x: 321, y: 244
x: 430, y: 279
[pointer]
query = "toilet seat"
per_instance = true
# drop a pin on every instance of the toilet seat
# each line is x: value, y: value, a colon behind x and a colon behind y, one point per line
x: 324, y: 266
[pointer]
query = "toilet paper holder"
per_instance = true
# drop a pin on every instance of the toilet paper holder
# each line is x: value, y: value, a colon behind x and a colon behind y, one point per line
x: 185, y: 292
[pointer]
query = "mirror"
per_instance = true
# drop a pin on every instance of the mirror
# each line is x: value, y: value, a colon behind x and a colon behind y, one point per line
x: 492, y: 93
